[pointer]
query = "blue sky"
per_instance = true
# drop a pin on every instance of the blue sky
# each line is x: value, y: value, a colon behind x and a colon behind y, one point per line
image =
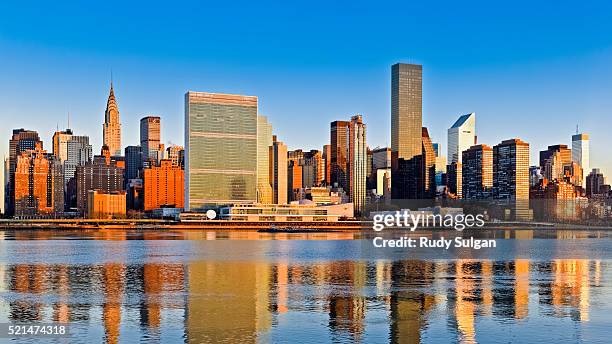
x: 532, y: 70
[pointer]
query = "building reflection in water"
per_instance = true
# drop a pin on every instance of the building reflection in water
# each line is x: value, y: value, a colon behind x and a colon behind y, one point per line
x: 246, y: 301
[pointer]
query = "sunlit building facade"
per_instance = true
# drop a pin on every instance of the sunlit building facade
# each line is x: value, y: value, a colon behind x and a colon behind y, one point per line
x: 581, y: 155
x: 112, y: 125
x: 406, y: 109
x: 461, y: 136
x: 264, y: 141
x: 163, y: 186
x: 220, y: 149
x: 511, y: 177
x: 357, y: 160
x: 477, y: 172
x: 150, y: 137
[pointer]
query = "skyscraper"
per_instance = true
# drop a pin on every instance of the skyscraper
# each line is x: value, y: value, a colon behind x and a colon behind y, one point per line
x: 477, y: 172
x: 21, y: 141
x: 553, y: 160
x: 580, y: 154
x: 220, y: 149
x: 163, y: 186
x: 461, y: 136
x: 264, y: 141
x: 511, y: 177
x: 406, y: 109
x: 339, y: 148
x: 357, y: 161
x: 39, y: 184
x: 112, y: 125
x: 150, y: 136
x: 101, y: 174
x: 327, y: 161
x: 278, y: 171
x: 71, y: 151
x: 133, y: 162
x: 427, y: 182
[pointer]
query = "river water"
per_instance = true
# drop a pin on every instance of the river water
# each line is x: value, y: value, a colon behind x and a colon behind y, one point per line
x: 245, y: 287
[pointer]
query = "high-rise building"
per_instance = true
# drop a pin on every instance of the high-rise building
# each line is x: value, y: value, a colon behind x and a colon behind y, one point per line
x: 220, y: 149
x: 477, y: 172
x: 357, y: 163
x: 511, y: 177
x: 580, y: 154
x: 312, y: 168
x: 133, y: 162
x: 150, y: 137
x: 39, y: 184
x: 278, y: 171
x: 454, y: 179
x: 427, y: 183
x: 163, y: 186
x: 461, y: 136
x: 440, y: 164
x: 21, y: 141
x: 339, y: 149
x: 264, y: 141
x: 176, y: 154
x: 103, y: 174
x: 327, y: 161
x: 553, y: 160
x: 381, y: 158
x: 294, y: 179
x: 594, y: 182
x: 406, y: 109
x: 112, y: 125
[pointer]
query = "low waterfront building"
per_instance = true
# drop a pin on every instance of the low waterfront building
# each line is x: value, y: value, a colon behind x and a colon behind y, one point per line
x: 303, y: 211
x: 163, y: 186
x: 106, y: 205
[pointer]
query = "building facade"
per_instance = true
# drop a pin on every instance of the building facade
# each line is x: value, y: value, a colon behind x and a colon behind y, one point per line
x: 357, y: 164
x: 406, y: 109
x: 339, y: 148
x: 112, y: 125
x: 150, y: 138
x: 106, y: 205
x: 21, y: 141
x: 163, y: 186
x: 39, y: 184
x: 102, y: 174
x: 278, y: 171
x: 461, y: 136
x: 220, y: 149
x: 511, y: 177
x: 477, y: 172
x: 581, y: 155
x: 264, y: 141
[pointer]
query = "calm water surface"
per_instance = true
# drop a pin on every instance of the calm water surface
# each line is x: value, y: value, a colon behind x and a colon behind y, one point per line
x: 237, y: 287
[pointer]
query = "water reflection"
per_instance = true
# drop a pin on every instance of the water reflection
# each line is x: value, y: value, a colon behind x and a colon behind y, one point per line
x: 133, y: 297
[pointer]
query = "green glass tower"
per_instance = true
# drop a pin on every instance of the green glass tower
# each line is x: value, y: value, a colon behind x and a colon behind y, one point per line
x: 220, y: 149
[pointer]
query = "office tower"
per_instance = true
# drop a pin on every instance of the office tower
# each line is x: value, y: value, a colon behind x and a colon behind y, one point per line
x: 5, y: 186
x: 176, y: 154
x: 357, y: 161
x: 461, y: 136
x: 327, y: 161
x: 278, y: 171
x: 21, y: 141
x: 133, y: 162
x: 381, y: 158
x: 427, y: 184
x: 594, y: 182
x: 294, y: 180
x: 312, y: 168
x: 103, y: 174
x: 79, y: 152
x: 264, y: 141
x: 39, y: 184
x: 406, y: 109
x: 580, y: 154
x: 535, y: 176
x: 106, y: 205
x: 60, y: 144
x: 511, y: 177
x: 440, y: 164
x: 112, y: 124
x: 553, y: 160
x: 220, y: 149
x: 150, y: 136
x: 163, y: 186
x: 477, y: 172
x: 339, y: 149
x: 454, y: 179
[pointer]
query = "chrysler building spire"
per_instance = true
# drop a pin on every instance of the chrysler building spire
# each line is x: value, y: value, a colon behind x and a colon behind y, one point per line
x: 112, y: 125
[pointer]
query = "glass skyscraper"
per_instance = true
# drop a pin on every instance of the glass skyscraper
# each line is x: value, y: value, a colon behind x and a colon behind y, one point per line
x: 220, y: 149
x: 406, y: 109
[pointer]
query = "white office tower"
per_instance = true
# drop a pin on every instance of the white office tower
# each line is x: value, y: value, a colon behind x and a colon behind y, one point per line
x: 580, y: 154
x: 461, y: 136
